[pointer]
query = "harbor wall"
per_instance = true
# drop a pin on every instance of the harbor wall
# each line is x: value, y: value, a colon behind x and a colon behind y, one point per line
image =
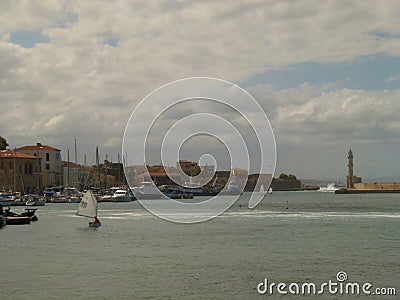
x: 377, y: 186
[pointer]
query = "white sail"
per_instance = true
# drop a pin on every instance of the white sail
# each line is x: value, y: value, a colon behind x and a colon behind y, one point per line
x: 88, y: 205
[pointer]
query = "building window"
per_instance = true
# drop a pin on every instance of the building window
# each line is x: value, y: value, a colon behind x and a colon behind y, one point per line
x: 28, y: 168
x: 47, y: 156
x: 47, y: 166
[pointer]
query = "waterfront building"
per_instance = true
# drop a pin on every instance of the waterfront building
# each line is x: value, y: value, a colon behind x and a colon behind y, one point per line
x: 75, y: 175
x: 158, y: 174
x: 132, y: 172
x: 117, y: 170
x: 50, y: 163
x: 160, y: 178
x: 190, y: 168
x: 207, y: 175
x: 19, y: 172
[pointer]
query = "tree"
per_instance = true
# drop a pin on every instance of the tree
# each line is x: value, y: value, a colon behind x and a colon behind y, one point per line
x: 283, y: 176
x: 3, y: 143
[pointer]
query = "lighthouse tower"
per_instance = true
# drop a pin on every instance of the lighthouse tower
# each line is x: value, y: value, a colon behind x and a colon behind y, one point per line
x: 350, y: 175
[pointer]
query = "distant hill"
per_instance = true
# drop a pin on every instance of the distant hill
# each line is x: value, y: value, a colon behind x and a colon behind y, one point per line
x: 382, y: 179
x: 323, y: 182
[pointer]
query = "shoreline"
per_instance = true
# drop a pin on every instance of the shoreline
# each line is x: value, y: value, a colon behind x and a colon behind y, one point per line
x: 355, y: 191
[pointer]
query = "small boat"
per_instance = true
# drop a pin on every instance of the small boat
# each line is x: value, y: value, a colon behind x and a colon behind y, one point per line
x: 116, y: 195
x: 122, y: 196
x: 3, y: 220
x: 175, y: 192
x: 191, y: 188
x: 148, y: 191
x: 17, y: 220
x: 7, y: 199
x: 232, y: 189
x: 74, y: 199
x: 29, y: 212
x: 19, y: 202
x: 88, y: 208
x: 59, y: 199
x: 6, y: 202
x: 34, y: 200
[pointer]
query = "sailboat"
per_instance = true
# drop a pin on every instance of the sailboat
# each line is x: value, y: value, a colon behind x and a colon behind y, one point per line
x: 88, y: 208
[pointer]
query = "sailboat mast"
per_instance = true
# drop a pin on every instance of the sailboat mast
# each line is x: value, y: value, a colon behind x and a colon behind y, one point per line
x: 68, y: 167
x: 98, y: 166
x: 15, y: 170
x: 39, y: 169
x: 119, y: 169
x: 76, y: 154
x: 84, y: 174
x: 105, y: 172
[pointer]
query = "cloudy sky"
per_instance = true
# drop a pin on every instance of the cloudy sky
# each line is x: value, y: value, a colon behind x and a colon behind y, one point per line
x: 327, y: 73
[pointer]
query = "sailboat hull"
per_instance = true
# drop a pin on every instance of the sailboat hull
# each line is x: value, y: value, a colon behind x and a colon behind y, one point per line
x: 94, y: 225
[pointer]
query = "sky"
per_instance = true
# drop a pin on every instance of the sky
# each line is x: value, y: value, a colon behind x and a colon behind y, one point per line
x: 326, y: 73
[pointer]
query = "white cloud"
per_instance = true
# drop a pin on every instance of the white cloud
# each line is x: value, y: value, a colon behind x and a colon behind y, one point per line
x: 393, y: 78
x: 324, y: 124
x: 79, y: 86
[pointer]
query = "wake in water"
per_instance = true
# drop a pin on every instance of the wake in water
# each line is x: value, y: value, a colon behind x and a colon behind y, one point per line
x: 329, y: 188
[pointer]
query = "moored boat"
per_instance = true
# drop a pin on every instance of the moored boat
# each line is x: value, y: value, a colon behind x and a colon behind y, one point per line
x: 122, y: 196
x: 29, y: 212
x: 7, y: 199
x: 116, y: 195
x: 6, y: 202
x: 2, y: 217
x: 148, y: 191
x: 191, y: 188
x: 72, y: 195
x: 175, y: 192
x: 232, y: 189
x: 17, y: 220
x: 34, y: 200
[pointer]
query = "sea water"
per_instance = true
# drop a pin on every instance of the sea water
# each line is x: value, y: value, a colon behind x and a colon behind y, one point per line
x: 291, y: 237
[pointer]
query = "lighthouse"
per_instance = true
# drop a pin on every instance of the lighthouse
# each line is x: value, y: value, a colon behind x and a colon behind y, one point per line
x: 350, y: 174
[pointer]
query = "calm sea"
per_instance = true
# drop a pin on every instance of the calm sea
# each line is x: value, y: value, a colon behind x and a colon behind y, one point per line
x: 292, y: 237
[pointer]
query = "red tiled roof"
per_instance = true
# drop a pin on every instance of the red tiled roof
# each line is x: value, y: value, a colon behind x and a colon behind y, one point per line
x: 159, y: 174
x: 239, y: 169
x: 72, y: 165
x: 10, y: 154
x: 41, y: 147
